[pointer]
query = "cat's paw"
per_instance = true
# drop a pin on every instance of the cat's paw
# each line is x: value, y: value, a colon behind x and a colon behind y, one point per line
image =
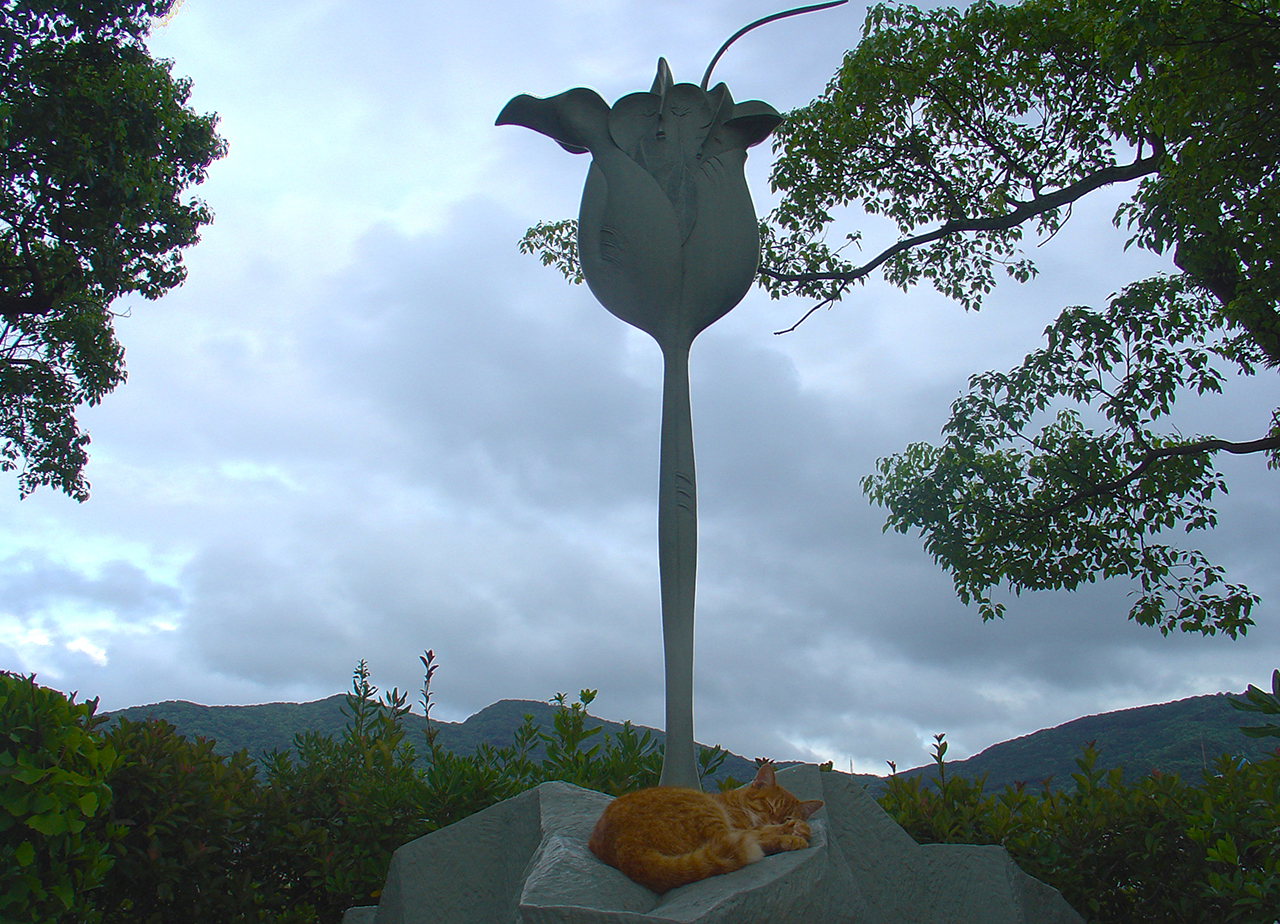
x: 776, y: 844
x: 774, y: 839
x: 797, y: 827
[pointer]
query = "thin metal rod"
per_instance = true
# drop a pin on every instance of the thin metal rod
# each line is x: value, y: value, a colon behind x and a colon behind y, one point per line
x: 706, y: 78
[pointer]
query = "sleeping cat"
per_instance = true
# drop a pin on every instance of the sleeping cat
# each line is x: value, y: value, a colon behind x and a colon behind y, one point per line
x: 664, y: 837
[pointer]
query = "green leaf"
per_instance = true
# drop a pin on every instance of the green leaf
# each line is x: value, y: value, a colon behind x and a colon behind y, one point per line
x: 88, y: 803
x: 48, y: 823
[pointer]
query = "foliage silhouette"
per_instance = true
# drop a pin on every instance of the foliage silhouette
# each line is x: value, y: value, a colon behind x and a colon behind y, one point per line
x: 1158, y: 850
x: 184, y: 819
x: 97, y: 148
x: 1266, y: 703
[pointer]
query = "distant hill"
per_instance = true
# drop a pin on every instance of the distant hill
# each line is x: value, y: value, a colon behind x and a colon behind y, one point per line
x: 272, y: 726
x: 1182, y: 737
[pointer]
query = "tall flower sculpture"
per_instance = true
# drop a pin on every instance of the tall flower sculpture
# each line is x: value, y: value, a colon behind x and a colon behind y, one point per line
x: 668, y: 241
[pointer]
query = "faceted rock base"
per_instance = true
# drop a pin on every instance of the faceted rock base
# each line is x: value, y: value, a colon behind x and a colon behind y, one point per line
x: 525, y: 861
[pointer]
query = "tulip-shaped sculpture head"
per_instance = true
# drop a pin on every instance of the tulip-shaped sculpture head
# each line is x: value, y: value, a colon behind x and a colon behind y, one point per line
x: 667, y: 235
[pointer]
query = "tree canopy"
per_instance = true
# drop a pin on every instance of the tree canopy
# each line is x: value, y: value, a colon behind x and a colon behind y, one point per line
x: 967, y: 128
x: 97, y: 147
x: 970, y: 129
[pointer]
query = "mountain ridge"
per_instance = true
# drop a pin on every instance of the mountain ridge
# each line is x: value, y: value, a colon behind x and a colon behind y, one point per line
x: 271, y: 726
x: 1183, y: 736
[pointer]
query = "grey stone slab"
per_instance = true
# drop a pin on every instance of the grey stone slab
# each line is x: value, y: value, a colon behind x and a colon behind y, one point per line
x: 563, y: 873
x: 525, y: 861
x: 468, y: 873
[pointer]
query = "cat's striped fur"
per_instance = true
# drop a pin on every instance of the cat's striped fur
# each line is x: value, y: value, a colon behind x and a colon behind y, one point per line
x: 664, y: 837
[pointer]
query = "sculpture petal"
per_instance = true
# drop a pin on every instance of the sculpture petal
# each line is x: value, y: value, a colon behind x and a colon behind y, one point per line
x: 664, y: 134
x: 739, y: 125
x: 577, y: 119
x: 629, y: 243
x: 723, y: 252
x: 754, y: 120
x: 634, y: 122
x: 718, y: 138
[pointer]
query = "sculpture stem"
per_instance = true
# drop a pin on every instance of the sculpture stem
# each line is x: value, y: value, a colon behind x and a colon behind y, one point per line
x: 677, y: 565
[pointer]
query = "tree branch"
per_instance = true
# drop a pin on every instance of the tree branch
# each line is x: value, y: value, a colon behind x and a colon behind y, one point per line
x: 825, y: 303
x: 1025, y: 210
x: 1151, y: 457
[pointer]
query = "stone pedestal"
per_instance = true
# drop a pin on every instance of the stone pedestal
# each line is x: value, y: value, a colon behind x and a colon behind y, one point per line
x: 525, y: 861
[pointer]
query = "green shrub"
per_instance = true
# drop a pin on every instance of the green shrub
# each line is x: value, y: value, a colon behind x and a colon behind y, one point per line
x: 1261, y: 701
x: 1237, y: 821
x: 1158, y: 851
x: 335, y: 813
x: 456, y: 786
x: 614, y: 765
x: 188, y: 817
x: 53, y: 772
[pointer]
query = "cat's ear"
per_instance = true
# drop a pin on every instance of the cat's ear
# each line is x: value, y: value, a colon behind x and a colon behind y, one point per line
x: 808, y: 807
x: 764, y: 777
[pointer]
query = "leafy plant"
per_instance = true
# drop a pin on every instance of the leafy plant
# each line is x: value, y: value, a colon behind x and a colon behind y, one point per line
x: 342, y: 807
x: 455, y: 786
x: 1237, y: 822
x: 187, y: 818
x: 616, y: 765
x: 1258, y: 701
x: 966, y: 159
x: 1158, y: 850
x: 1023, y: 492
x: 53, y: 771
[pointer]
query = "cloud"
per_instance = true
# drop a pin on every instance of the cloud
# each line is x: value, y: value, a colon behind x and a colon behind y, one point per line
x: 474, y: 372
x: 33, y: 586
x: 60, y: 618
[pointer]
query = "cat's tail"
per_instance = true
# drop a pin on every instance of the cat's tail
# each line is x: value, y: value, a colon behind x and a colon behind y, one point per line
x: 662, y: 872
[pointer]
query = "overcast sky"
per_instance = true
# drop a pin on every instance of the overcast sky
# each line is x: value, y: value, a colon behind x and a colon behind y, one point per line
x: 367, y: 426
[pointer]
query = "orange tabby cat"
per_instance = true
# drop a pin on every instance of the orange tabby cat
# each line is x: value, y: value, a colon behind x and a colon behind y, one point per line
x: 664, y: 837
